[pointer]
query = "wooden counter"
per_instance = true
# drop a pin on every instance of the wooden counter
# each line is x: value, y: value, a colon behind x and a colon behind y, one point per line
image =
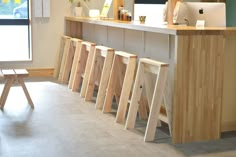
x: 202, y: 69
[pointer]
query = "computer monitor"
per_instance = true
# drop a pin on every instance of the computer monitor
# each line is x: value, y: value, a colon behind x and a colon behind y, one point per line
x: 155, y: 13
x: 150, y: 1
x: 214, y: 14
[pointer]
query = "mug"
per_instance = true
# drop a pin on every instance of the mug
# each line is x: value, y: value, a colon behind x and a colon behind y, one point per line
x: 142, y: 19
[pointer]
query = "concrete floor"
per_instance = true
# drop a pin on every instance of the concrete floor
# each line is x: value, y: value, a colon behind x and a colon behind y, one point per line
x: 64, y: 125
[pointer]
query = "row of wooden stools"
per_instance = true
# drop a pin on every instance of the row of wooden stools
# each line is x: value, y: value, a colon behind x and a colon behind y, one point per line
x: 112, y: 76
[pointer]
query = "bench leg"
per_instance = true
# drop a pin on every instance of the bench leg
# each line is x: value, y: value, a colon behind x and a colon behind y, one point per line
x: 5, y: 92
x: 20, y: 80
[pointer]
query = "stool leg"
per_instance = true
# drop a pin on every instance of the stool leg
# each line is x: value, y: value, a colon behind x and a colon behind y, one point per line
x: 120, y: 73
x: 68, y: 64
x: 150, y: 80
x: 137, y: 91
x: 125, y: 92
x: 79, y: 70
x: 59, y: 58
x: 87, y: 72
x: 168, y: 104
x: 91, y: 83
x: 149, y: 87
x: 5, y: 92
x: 63, y: 62
x: 20, y: 80
x: 111, y: 87
x: 104, y: 80
x: 156, y: 105
x: 143, y: 113
x: 75, y: 60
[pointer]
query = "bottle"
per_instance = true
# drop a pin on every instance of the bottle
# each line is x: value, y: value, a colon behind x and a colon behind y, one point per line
x: 125, y: 14
x: 129, y: 16
x: 119, y: 12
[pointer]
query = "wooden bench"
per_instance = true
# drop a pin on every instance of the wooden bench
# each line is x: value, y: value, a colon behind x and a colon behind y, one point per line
x: 11, y: 76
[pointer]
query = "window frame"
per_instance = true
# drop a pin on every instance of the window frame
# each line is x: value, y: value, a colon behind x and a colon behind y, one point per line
x: 21, y: 22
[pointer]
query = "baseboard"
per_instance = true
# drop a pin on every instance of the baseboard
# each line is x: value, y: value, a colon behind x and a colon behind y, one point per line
x: 228, y: 126
x: 41, y: 72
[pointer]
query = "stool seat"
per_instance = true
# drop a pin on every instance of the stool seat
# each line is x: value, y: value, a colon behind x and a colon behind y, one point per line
x: 11, y: 75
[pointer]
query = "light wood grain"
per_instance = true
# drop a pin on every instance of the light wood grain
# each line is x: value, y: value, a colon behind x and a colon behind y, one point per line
x: 116, y: 5
x: 108, y: 53
x: 158, y: 96
x: 112, y: 85
x: 126, y: 89
x: 83, y: 66
x: 62, y: 77
x: 229, y: 99
x: 77, y: 43
x: 40, y: 72
x: 198, y: 88
x: 156, y: 91
x: 11, y: 76
x: 90, y: 49
x: 59, y: 57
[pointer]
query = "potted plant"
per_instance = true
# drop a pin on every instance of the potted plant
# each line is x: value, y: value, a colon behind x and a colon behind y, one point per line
x: 76, y: 8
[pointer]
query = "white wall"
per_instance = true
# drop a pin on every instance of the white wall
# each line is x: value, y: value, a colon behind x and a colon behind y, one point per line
x: 46, y: 35
x: 45, y: 38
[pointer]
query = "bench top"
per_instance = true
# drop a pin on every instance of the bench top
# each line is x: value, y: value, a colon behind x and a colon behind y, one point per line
x: 14, y: 73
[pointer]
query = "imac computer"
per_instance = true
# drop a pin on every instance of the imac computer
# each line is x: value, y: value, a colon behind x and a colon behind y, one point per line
x: 214, y: 14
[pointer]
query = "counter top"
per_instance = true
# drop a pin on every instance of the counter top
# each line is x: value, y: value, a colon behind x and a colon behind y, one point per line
x: 157, y: 28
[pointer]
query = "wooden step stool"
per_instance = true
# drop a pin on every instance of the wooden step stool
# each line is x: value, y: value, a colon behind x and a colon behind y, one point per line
x: 77, y: 43
x: 61, y: 56
x: 67, y: 60
x: 83, y: 67
x: 120, y: 83
x: 100, y: 71
x: 155, y: 95
x: 17, y: 75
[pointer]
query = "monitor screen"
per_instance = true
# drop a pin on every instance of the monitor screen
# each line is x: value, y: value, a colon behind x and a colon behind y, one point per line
x: 214, y: 14
x: 150, y: 1
x: 155, y: 13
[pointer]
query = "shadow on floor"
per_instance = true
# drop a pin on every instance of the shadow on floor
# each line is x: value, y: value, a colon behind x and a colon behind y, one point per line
x: 226, y: 143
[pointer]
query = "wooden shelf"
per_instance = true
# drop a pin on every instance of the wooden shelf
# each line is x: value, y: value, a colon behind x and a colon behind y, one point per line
x: 116, y: 5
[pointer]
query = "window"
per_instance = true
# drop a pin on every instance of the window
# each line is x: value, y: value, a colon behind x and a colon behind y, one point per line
x: 15, y: 36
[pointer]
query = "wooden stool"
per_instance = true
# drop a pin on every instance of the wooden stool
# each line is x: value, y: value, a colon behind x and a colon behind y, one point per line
x: 155, y: 94
x: 67, y: 60
x: 77, y: 43
x: 64, y: 45
x: 101, y: 68
x: 10, y: 76
x: 61, y: 58
x: 120, y: 83
x: 83, y: 66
